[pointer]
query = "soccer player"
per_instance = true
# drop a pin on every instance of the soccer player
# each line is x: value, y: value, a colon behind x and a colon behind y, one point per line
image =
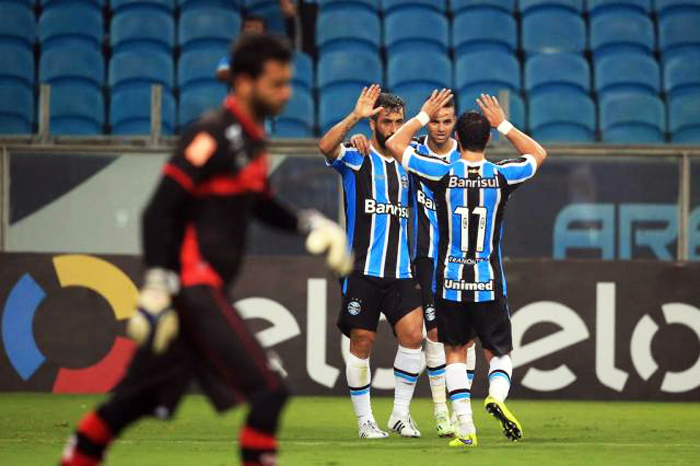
x: 471, y: 291
x: 194, y: 231
x: 377, y: 212
x: 440, y: 144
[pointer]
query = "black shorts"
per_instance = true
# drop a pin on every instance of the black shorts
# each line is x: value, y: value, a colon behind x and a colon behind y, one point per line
x: 213, y: 347
x: 459, y: 322
x: 423, y: 270
x: 366, y: 297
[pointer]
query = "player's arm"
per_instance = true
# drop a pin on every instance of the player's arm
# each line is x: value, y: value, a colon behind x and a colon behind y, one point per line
x: 522, y: 142
x: 329, y: 145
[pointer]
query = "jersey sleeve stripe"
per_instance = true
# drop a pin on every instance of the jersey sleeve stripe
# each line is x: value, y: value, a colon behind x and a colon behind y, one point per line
x: 520, y: 172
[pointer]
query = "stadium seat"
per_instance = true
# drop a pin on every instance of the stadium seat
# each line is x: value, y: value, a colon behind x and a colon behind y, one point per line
x: 559, y: 72
x: 422, y: 31
x: 337, y: 69
x: 208, y: 28
x: 632, y: 118
x: 47, y: 4
x: 564, y: 119
x: 390, y: 6
x: 17, y: 24
x: 328, y: 5
x: 129, y: 69
x: 531, y: 6
x: 270, y: 11
x: 233, y: 5
x: 335, y: 104
x: 16, y: 65
x: 130, y: 111
x: 414, y: 78
x: 553, y: 31
x: 482, y: 29
x: 682, y: 74
x: 627, y: 73
x: 458, y: 6
x: 67, y: 24
x: 679, y: 33
x: 118, y: 6
x: 671, y: 7
x: 76, y: 110
x: 596, y: 7
x: 16, y: 107
x: 195, y: 102
x: 516, y: 106
x: 303, y: 71
x: 684, y: 119
x: 297, y: 118
x: 347, y: 30
x: 621, y: 32
x: 73, y: 64
x: 139, y: 29
x: 198, y: 67
x: 502, y: 72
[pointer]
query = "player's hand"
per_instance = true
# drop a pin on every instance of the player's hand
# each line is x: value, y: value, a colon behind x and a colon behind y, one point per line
x: 436, y: 101
x: 364, y: 108
x: 326, y: 237
x: 155, y: 324
x: 361, y: 143
x: 491, y: 109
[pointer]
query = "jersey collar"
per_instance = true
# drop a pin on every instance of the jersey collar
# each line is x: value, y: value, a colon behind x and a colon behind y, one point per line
x: 444, y: 156
x: 383, y: 157
x: 253, y: 129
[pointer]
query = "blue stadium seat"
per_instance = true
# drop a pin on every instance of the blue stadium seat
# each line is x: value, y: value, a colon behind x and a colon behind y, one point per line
x: 516, y: 110
x: 390, y: 6
x: 303, y: 71
x: 199, y: 100
x: 46, y: 4
x: 130, y: 111
x: 73, y: 64
x: 297, y: 118
x: 632, y: 118
x: 553, y: 31
x: 17, y: 24
x: 198, y: 67
x: 357, y: 69
x: 682, y: 74
x: 684, y: 119
x: 208, y: 28
x: 270, y: 11
x: 679, y: 33
x: 557, y: 72
x: 484, y: 28
x: 233, y: 5
x: 627, y: 73
x: 347, y: 30
x: 458, y: 6
x: 569, y: 118
x: 502, y: 72
x: 118, y: 6
x: 328, y: 5
x: 67, y: 24
x: 139, y: 29
x: 134, y: 69
x: 671, y: 7
x: 622, y: 32
x: 407, y: 29
x: 596, y: 7
x: 335, y: 104
x: 76, y: 110
x: 16, y: 65
x: 415, y: 77
x: 16, y: 108
x: 531, y: 6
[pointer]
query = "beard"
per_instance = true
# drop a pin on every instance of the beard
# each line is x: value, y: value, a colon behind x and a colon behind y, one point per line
x: 263, y: 110
x: 381, y: 140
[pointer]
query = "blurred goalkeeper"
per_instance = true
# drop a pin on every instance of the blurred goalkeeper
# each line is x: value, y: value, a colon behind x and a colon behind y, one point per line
x: 194, y: 231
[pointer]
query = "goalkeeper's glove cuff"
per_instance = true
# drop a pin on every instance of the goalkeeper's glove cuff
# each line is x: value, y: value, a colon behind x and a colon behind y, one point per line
x: 162, y: 279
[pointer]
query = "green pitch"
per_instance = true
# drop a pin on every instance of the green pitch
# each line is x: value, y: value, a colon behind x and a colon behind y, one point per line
x: 321, y: 431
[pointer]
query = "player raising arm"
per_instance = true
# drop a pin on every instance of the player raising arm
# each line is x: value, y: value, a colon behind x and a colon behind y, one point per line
x: 471, y: 290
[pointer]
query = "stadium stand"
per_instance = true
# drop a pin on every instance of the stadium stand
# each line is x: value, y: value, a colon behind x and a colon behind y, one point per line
x: 679, y: 33
x: 77, y: 23
x: 139, y: 29
x: 208, y: 28
x: 531, y: 6
x: 484, y: 29
x: 672, y: 7
x: 16, y: 89
x: 682, y: 75
x: 303, y: 71
x: 270, y: 11
x: 560, y: 73
x: 414, y: 78
x: 348, y: 29
x: 297, y: 119
x: 622, y: 32
x: 117, y: 6
x: 17, y: 24
x: 632, y: 118
x: 553, y: 118
x: 390, y: 6
x: 627, y: 73
x: 684, y: 119
x: 596, y: 7
x: 422, y: 31
x: 233, y: 5
x: 458, y: 6
x: 553, y: 30
x: 503, y: 72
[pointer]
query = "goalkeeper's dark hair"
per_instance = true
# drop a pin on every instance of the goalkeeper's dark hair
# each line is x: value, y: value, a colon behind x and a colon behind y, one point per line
x: 391, y: 104
x: 252, y: 50
x: 473, y: 130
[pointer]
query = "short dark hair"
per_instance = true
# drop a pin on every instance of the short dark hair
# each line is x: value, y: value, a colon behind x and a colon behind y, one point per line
x: 473, y: 130
x: 252, y: 50
x: 391, y: 103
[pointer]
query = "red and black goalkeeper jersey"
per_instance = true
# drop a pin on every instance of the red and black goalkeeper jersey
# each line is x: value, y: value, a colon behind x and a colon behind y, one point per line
x: 215, y: 182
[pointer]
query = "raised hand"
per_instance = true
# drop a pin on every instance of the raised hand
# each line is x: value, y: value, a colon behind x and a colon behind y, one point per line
x: 491, y: 109
x: 360, y: 142
x: 364, y: 108
x: 436, y: 101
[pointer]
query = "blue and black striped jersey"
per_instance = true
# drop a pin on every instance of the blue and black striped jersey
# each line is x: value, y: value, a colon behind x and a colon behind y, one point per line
x: 375, y: 189
x: 470, y: 200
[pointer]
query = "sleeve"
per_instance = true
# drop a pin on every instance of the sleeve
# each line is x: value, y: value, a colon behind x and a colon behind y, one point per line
x: 423, y: 165
x: 348, y: 157
x: 516, y: 171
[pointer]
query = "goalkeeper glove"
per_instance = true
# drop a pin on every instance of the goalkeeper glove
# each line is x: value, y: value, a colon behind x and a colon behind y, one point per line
x: 326, y: 236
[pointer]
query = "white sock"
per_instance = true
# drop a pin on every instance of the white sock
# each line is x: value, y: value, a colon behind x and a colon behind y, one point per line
x: 471, y: 364
x: 358, y: 375
x: 406, y: 370
x: 435, y: 360
x: 460, y: 394
x: 500, y: 371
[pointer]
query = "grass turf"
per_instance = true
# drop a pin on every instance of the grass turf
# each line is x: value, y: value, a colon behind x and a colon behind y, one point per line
x: 321, y: 431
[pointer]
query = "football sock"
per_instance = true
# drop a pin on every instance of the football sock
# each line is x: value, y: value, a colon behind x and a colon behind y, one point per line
x: 500, y: 371
x: 86, y: 447
x: 258, y: 443
x: 471, y: 364
x: 358, y: 375
x: 406, y: 370
x: 460, y: 395
x: 435, y: 360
